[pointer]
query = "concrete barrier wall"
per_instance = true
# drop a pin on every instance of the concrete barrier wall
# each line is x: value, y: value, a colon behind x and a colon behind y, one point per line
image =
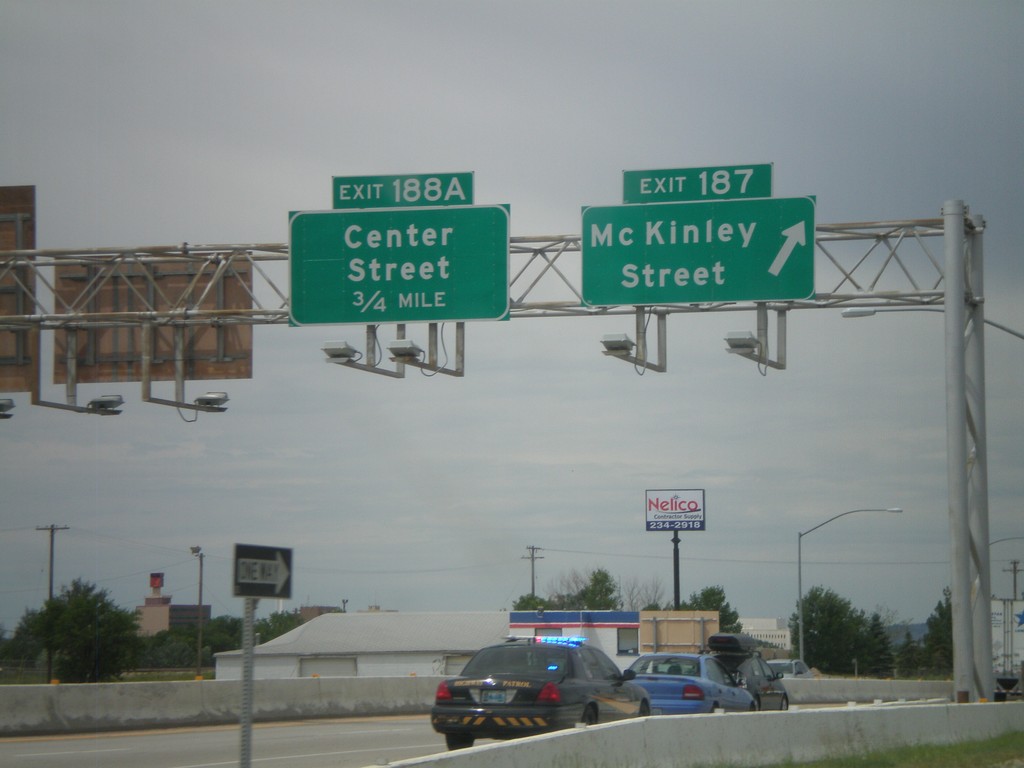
x: 40, y: 709
x: 47, y: 709
x: 745, y: 739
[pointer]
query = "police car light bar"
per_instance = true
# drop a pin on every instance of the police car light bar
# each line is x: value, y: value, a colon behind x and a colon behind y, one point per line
x: 548, y: 639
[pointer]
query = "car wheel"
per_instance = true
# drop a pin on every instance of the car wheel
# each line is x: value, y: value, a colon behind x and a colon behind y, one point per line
x: 785, y: 703
x: 458, y: 740
x: 589, y: 715
x: 645, y: 709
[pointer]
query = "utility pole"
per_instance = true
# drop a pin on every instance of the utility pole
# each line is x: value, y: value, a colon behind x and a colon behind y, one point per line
x: 53, y: 531
x: 533, y: 557
x: 49, y: 595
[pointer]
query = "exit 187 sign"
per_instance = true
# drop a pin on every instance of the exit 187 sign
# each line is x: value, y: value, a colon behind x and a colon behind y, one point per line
x: 399, y: 265
x: 699, y: 252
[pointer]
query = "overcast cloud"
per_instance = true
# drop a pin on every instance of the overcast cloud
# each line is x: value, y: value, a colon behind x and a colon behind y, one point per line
x: 146, y: 123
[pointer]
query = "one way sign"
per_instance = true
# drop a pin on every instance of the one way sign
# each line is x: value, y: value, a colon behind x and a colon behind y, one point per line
x: 262, y: 571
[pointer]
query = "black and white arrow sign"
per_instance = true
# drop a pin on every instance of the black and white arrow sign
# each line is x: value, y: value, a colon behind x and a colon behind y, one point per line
x: 262, y: 571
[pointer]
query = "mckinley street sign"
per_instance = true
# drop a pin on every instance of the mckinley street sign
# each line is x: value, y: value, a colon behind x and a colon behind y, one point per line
x: 399, y: 265
x: 262, y: 571
x: 699, y: 252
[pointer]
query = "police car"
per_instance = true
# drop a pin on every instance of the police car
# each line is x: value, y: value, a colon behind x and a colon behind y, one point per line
x: 533, y: 685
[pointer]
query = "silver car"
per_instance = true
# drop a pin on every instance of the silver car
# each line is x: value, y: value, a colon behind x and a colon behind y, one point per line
x: 790, y: 667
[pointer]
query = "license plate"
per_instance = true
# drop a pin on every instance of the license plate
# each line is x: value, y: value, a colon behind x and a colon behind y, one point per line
x: 492, y: 697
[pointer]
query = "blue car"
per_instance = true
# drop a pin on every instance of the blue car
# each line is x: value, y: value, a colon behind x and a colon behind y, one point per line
x: 689, y: 683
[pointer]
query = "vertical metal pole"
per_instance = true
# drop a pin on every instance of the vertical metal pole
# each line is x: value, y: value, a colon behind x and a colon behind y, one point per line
x: 460, y: 347
x: 245, y: 758
x: 977, y: 481
x: 675, y: 568
x: 641, y: 350
x: 956, y: 451
x: 71, y: 366
x: 199, y: 632
x: 800, y: 592
x: 179, y: 363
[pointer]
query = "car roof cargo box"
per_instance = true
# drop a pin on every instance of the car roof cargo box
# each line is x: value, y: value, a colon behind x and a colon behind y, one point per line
x: 740, y: 645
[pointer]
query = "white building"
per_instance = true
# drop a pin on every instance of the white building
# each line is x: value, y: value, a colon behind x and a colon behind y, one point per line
x: 375, y: 644
x: 772, y: 631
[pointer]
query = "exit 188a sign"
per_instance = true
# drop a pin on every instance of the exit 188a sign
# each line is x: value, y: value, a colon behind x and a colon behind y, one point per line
x: 402, y: 191
x: 399, y: 265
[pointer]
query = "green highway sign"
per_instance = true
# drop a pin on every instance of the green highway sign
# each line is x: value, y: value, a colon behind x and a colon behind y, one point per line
x: 695, y: 253
x: 402, y: 191
x: 679, y: 185
x: 399, y: 265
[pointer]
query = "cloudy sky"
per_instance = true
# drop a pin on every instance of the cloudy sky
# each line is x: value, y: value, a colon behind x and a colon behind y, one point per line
x: 155, y: 123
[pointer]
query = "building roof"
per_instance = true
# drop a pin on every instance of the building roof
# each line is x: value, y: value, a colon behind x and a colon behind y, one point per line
x: 334, y: 634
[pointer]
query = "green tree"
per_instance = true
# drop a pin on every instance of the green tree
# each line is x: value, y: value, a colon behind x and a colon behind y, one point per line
x: 277, y: 624
x: 91, y: 639
x: 576, y: 591
x: 876, y: 655
x: 938, y: 639
x: 713, y: 599
x: 833, y: 631
x: 221, y: 633
x: 908, y: 657
x: 173, y: 648
x: 530, y: 603
x: 24, y: 648
x: 600, y: 593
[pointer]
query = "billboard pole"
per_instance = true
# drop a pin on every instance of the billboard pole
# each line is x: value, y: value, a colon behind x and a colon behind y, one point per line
x: 675, y: 566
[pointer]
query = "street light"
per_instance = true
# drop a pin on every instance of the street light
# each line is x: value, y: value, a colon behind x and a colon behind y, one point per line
x: 872, y: 311
x: 198, y: 552
x: 799, y: 564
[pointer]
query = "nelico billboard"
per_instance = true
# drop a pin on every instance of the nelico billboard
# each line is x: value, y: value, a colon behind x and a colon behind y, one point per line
x: 675, y: 510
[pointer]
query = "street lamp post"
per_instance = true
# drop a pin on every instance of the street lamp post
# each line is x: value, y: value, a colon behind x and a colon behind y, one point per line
x: 198, y: 552
x: 799, y: 564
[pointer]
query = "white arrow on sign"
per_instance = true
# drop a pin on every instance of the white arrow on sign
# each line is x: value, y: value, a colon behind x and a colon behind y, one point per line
x: 252, y: 571
x: 795, y: 235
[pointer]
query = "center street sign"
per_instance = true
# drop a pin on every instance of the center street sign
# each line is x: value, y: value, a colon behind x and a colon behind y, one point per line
x: 262, y: 571
x: 699, y: 252
x: 400, y: 265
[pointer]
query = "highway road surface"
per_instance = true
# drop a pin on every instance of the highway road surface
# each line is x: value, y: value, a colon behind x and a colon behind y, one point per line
x: 346, y: 743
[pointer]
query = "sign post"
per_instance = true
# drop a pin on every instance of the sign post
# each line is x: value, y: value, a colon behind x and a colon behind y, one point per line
x: 699, y: 252
x: 258, y: 572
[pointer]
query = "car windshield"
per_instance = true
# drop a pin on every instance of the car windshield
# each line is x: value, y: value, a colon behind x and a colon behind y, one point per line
x: 683, y: 666
x: 532, y: 660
